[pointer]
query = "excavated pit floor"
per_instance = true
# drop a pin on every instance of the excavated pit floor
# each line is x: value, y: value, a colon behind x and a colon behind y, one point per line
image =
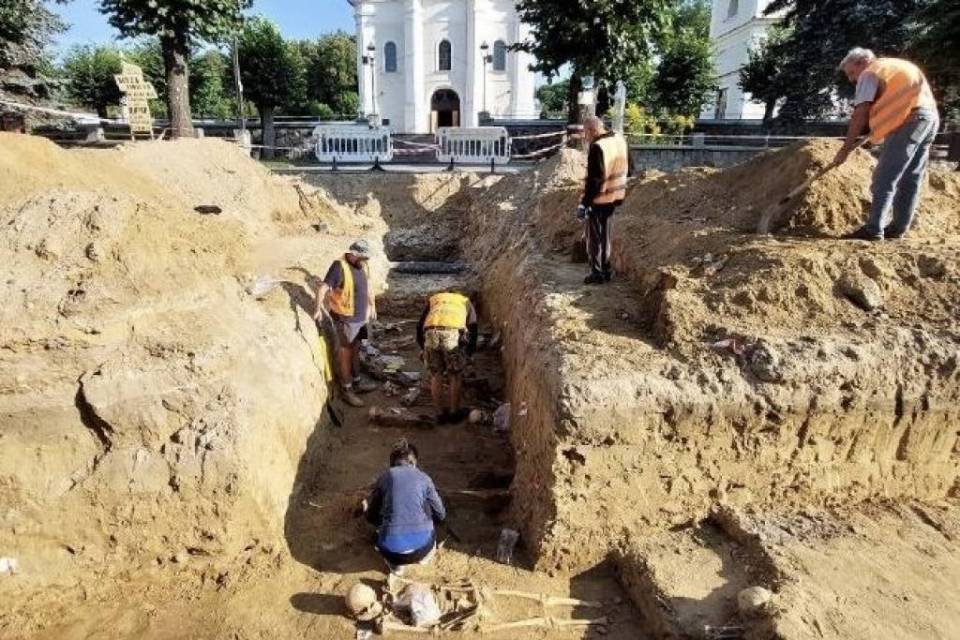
x: 472, y: 467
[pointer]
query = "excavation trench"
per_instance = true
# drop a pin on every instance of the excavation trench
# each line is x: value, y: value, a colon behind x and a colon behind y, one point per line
x: 472, y: 465
x: 201, y: 480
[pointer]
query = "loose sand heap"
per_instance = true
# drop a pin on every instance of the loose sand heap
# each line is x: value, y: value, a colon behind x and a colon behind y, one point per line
x: 776, y: 374
x: 152, y: 411
x: 771, y: 413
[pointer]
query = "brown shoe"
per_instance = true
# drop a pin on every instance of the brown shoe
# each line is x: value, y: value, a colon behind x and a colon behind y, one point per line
x: 352, y: 399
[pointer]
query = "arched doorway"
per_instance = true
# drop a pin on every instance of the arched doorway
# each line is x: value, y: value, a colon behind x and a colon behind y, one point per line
x: 444, y: 109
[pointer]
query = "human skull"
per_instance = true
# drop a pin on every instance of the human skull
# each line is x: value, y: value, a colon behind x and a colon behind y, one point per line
x: 362, y: 602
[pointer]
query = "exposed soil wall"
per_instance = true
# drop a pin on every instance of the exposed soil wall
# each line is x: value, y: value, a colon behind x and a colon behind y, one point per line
x: 636, y: 422
x: 152, y: 410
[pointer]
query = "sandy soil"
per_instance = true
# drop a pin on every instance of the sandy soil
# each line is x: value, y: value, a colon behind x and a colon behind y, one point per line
x: 170, y: 466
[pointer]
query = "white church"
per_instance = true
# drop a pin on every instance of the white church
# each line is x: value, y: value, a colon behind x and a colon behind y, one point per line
x: 425, y: 64
x: 736, y: 26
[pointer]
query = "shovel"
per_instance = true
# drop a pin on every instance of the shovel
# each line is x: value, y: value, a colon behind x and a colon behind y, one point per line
x: 775, y: 213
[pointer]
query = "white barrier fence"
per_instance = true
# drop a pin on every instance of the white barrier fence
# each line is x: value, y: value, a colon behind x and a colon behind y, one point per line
x: 481, y: 145
x: 352, y: 143
x: 486, y: 146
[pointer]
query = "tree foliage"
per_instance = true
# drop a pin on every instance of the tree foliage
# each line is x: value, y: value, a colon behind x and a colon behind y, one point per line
x: 659, y: 48
x: 208, y: 93
x: 553, y: 98
x: 268, y: 65
x: 89, y: 72
x: 179, y: 24
x: 801, y: 68
x: 762, y: 77
x: 603, y: 38
x: 936, y: 42
x: 684, y: 78
x: 332, y: 73
x: 272, y: 71
x: 26, y: 28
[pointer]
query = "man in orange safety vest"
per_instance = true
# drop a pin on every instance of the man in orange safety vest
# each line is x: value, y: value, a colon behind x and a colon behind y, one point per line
x: 608, y: 165
x: 893, y: 99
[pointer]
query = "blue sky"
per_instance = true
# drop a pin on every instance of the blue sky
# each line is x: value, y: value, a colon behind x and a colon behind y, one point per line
x: 296, y: 18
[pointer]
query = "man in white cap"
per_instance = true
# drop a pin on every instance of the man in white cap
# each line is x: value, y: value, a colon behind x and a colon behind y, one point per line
x: 894, y: 99
x: 347, y: 292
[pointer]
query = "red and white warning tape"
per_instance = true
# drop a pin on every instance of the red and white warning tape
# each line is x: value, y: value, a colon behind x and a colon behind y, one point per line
x: 540, y: 152
x: 551, y: 134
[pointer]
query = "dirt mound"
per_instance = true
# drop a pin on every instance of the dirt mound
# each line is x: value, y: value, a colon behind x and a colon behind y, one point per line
x: 833, y: 205
x: 720, y: 364
x: 143, y: 422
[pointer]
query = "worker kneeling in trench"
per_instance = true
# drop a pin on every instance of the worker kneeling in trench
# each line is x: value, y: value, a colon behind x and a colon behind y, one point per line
x: 404, y: 506
x: 447, y: 335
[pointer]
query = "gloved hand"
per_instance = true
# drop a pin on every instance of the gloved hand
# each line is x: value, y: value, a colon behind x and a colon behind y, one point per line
x: 582, y: 212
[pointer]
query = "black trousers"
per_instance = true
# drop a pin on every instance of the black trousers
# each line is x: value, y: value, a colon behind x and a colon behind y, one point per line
x: 599, y: 230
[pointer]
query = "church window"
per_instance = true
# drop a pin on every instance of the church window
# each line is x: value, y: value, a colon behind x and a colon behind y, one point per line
x: 390, y: 57
x: 733, y: 8
x: 445, y: 56
x: 499, y: 55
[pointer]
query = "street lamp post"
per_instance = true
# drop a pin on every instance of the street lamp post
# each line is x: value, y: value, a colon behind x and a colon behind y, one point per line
x: 487, y: 59
x: 372, y: 57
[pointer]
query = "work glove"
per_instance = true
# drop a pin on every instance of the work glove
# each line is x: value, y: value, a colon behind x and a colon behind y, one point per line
x: 582, y: 212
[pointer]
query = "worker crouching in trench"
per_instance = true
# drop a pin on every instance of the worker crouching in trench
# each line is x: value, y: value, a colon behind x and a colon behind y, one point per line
x: 405, y: 507
x: 447, y: 335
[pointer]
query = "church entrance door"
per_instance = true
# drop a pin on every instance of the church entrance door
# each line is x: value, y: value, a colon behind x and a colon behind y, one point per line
x: 444, y: 109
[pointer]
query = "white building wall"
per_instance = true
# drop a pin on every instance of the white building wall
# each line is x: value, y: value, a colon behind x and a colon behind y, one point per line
x: 733, y: 34
x: 404, y: 97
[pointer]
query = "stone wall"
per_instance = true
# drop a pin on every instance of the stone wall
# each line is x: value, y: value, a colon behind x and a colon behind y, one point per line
x: 646, y: 157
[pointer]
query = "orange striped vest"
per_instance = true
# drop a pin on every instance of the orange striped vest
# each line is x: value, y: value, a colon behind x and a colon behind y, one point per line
x: 615, y: 165
x: 904, y: 88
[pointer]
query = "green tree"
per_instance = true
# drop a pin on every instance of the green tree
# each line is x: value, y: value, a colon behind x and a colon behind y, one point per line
x: 762, y: 77
x: 553, y: 98
x: 298, y: 101
x: 332, y: 73
x: 349, y: 104
x: 603, y: 38
x: 89, y: 73
x: 820, y: 34
x: 936, y: 43
x: 208, y: 96
x: 178, y: 24
x: 26, y: 28
x: 321, y: 111
x: 685, y: 79
x: 268, y: 67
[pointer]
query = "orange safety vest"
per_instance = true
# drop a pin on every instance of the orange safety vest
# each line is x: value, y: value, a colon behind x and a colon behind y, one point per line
x: 448, y: 311
x: 615, y: 165
x: 904, y: 88
x: 342, y: 300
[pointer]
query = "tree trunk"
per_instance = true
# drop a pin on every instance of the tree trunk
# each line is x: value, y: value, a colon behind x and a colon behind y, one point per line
x: 768, y: 108
x: 102, y: 111
x: 603, y: 100
x: 573, y: 97
x: 269, y: 133
x: 176, y: 53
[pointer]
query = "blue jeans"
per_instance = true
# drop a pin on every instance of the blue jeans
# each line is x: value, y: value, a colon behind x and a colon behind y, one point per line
x: 899, y: 173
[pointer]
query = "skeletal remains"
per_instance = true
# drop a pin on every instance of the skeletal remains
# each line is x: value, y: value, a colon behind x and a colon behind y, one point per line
x: 468, y: 608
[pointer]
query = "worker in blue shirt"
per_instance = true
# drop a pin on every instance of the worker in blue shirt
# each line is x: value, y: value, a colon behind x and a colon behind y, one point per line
x: 405, y: 506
